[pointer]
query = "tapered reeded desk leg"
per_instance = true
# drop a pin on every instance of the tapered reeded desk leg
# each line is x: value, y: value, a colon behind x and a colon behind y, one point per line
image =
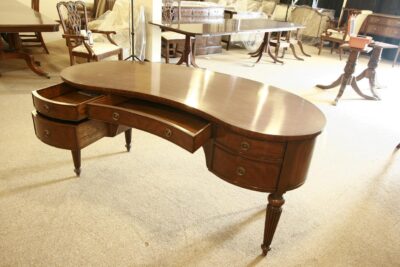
x: 128, y: 139
x: 274, y: 210
x: 76, y: 156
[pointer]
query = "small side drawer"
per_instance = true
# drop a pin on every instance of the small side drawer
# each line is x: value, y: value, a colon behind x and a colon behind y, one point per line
x: 181, y: 128
x: 262, y: 150
x: 251, y: 174
x: 63, y: 102
x: 68, y: 135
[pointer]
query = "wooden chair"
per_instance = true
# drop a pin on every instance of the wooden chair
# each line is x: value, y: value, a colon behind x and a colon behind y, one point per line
x: 74, y: 24
x: 170, y: 41
x: 397, y: 55
x: 339, y: 35
x: 34, y: 39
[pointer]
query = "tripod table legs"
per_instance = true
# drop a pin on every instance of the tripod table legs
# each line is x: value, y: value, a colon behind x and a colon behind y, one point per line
x: 347, y: 78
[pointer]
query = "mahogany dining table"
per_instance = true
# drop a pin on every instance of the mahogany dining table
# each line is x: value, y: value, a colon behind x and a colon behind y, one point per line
x: 15, y: 17
x: 220, y: 27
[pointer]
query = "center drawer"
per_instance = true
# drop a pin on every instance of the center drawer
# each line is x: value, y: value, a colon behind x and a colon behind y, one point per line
x: 186, y: 130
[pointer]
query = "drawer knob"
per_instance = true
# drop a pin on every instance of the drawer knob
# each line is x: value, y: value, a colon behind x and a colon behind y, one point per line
x: 115, y: 116
x: 240, y: 171
x: 244, y: 146
x: 168, y: 132
x: 47, y: 133
x: 46, y: 107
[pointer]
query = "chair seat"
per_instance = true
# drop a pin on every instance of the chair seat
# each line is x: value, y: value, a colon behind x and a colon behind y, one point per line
x: 337, y: 35
x: 172, y: 36
x: 98, y: 48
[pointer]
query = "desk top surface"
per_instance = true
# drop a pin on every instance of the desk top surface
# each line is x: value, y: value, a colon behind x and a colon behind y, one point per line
x: 228, y: 26
x: 246, y: 106
x: 17, y: 17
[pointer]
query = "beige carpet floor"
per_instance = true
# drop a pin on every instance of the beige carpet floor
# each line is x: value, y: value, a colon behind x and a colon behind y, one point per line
x: 159, y: 206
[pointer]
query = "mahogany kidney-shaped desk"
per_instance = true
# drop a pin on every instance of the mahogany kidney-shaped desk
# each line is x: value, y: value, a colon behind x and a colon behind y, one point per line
x: 254, y: 136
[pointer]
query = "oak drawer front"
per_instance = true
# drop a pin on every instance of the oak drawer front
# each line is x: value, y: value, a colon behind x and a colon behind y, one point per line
x: 247, y: 147
x: 256, y: 175
x: 68, y: 135
x: 62, y: 102
x: 183, y: 129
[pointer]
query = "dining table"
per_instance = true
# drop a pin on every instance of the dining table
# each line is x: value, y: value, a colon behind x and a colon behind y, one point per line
x: 16, y: 18
x: 219, y: 27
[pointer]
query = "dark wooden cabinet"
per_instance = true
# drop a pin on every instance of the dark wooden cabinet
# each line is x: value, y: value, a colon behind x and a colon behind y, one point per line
x: 384, y: 28
x: 202, y: 12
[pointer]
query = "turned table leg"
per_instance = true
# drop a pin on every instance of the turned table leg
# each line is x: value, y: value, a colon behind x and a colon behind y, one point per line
x: 274, y: 210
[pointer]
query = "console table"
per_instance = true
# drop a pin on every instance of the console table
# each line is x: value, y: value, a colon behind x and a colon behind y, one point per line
x: 254, y: 136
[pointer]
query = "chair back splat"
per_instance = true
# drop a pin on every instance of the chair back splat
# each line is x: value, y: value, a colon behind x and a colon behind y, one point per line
x: 74, y: 19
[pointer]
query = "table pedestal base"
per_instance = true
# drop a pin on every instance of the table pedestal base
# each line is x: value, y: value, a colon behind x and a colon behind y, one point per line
x: 188, y: 53
x: 347, y: 78
x: 14, y: 39
x: 265, y: 46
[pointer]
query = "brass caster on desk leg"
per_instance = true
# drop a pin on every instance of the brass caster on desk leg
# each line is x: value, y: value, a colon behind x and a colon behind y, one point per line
x: 77, y: 172
x: 128, y: 139
x: 265, y: 249
x: 128, y: 147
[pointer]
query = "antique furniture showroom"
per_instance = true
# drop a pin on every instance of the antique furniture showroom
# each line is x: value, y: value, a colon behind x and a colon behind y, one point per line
x: 200, y: 133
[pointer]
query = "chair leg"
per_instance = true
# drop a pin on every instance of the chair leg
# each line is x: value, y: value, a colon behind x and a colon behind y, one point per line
x: 71, y: 60
x: 395, y: 58
x: 167, y: 52
x: 120, y: 56
x: 320, y: 46
x: 40, y: 37
x: 340, y: 52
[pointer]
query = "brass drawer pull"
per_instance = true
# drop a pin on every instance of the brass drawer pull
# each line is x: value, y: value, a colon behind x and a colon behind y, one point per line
x: 47, y: 133
x: 46, y: 107
x: 115, y: 116
x: 240, y: 171
x: 244, y: 146
x: 168, y: 132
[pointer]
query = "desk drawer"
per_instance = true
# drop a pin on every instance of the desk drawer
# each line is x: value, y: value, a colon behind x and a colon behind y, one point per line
x: 185, y: 130
x: 262, y: 150
x: 252, y: 174
x: 63, y: 102
x: 68, y: 135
